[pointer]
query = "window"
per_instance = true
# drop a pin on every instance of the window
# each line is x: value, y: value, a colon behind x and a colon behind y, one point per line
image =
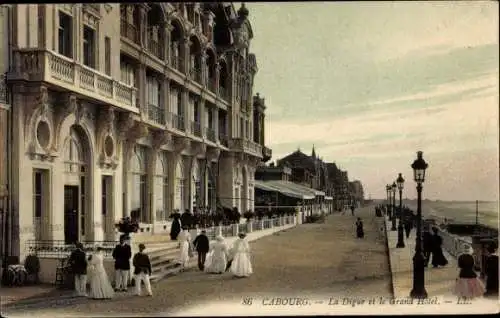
x: 196, y: 107
x: 139, y: 187
x: 82, y: 198
x: 161, y: 187
x: 210, y: 118
x: 104, y: 194
x: 179, y: 103
x: 88, y: 46
x: 37, y: 193
x: 173, y: 99
x: 107, y: 55
x: 153, y: 90
x: 65, y: 35
x: 41, y: 25
x: 242, y: 128
x: 127, y: 73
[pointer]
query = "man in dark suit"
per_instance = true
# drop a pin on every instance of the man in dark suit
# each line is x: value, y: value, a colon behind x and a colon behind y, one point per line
x: 202, y: 245
x: 122, y: 254
x: 78, y: 263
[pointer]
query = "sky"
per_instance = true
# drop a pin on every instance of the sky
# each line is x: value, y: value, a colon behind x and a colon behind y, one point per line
x: 371, y: 83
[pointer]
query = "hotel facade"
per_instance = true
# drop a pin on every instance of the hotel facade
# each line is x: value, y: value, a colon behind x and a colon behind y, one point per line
x: 124, y: 110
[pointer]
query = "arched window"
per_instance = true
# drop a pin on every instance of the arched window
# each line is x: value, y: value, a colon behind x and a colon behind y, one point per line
x: 138, y: 193
x: 161, y: 187
x: 73, y: 155
x: 180, y: 186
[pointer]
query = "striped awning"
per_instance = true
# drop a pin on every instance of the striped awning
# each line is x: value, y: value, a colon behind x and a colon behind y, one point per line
x: 272, y: 186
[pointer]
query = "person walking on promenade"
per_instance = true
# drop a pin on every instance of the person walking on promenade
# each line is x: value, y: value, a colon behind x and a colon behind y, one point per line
x: 78, y: 263
x: 491, y: 269
x: 100, y: 287
x: 202, y: 245
x: 427, y: 246
x: 241, y: 265
x: 438, y: 258
x: 217, y: 260
x: 122, y: 253
x: 468, y: 284
x: 184, y: 239
x: 352, y: 210
x: 408, y: 226
x: 360, y: 233
x: 142, y: 271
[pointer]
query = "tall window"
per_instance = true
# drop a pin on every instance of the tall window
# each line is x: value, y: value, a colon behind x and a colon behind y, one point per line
x: 37, y: 203
x: 161, y: 187
x: 41, y: 25
x: 82, y: 202
x: 242, y: 128
x: 196, y: 107
x: 179, y: 103
x: 210, y: 118
x: 107, y: 55
x: 173, y: 99
x: 139, y: 186
x: 65, y: 35
x: 153, y: 90
x: 127, y: 73
x: 89, y: 46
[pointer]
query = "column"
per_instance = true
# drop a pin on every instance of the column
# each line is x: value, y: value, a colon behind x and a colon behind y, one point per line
x: 172, y: 159
x: 151, y: 171
x: 187, y: 61
x: 186, y: 110
x: 204, y: 70
x: 202, y: 110
x: 167, y: 28
x: 167, y: 100
x: 142, y: 91
x: 94, y: 206
x: 262, y: 131
x: 215, y: 124
x: 142, y: 25
x: 217, y: 74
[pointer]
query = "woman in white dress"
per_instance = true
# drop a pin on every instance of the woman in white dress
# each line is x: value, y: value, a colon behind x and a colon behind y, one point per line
x: 217, y: 258
x: 184, y: 239
x: 100, y: 287
x: 241, y: 265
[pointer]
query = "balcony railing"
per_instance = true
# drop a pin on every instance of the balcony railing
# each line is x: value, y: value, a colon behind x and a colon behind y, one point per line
x: 210, y: 134
x: 177, y: 62
x: 60, y: 249
x: 4, y: 90
x: 196, y: 128
x: 224, y: 139
x: 48, y: 66
x: 178, y: 122
x: 156, y: 114
x: 156, y: 48
x: 247, y: 146
x: 129, y: 31
x: 196, y: 74
x: 223, y: 93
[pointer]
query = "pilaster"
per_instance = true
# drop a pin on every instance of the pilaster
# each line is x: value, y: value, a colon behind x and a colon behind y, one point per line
x: 167, y: 105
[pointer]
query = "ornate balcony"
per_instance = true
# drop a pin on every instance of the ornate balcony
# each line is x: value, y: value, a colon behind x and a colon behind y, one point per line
x: 129, y: 31
x: 196, y: 128
x: 210, y: 134
x: 39, y: 65
x: 155, y: 48
x: 246, y: 146
x: 178, y: 122
x: 224, y: 139
x: 267, y: 154
x: 156, y: 114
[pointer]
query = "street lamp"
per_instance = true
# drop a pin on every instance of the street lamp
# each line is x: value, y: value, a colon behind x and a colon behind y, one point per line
x: 388, y: 189
x: 400, y: 182
x: 393, y: 204
x: 418, y: 290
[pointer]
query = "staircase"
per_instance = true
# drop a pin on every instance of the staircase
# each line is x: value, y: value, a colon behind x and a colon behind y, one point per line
x: 164, y: 260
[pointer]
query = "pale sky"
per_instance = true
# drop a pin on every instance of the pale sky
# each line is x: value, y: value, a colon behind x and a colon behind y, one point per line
x: 370, y: 83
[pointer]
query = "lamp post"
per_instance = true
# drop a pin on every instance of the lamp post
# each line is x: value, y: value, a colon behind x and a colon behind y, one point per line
x: 388, y: 190
x: 393, y: 204
x: 418, y: 291
x: 400, y: 183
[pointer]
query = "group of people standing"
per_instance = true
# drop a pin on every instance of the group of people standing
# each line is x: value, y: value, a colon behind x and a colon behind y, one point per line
x: 93, y: 266
x: 216, y: 257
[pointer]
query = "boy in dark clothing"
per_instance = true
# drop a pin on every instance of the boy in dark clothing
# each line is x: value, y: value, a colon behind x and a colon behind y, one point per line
x: 202, y: 245
x: 142, y: 271
x: 122, y: 254
x: 78, y: 263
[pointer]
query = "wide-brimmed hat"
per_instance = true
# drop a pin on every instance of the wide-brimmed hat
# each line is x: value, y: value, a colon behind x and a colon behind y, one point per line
x: 219, y: 238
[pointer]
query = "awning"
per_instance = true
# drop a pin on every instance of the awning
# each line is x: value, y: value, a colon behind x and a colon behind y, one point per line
x: 298, y: 187
x: 270, y: 186
x: 327, y: 198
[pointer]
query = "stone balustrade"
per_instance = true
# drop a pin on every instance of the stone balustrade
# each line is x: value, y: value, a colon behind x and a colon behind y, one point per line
x: 48, y: 66
x: 247, y: 146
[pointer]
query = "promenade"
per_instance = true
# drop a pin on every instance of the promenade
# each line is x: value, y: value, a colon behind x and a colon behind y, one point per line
x: 308, y: 260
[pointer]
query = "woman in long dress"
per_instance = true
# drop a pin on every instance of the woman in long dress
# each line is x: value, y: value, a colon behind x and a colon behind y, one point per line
x: 438, y: 258
x: 468, y: 284
x: 184, y: 239
x: 360, y: 233
x: 217, y: 258
x: 241, y: 265
x: 100, y: 286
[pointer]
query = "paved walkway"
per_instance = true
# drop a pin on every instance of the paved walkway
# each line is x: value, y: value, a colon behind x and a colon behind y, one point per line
x: 304, y: 261
x: 438, y: 281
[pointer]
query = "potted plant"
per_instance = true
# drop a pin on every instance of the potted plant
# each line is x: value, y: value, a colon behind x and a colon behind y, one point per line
x: 127, y: 225
x: 248, y: 215
x: 259, y: 214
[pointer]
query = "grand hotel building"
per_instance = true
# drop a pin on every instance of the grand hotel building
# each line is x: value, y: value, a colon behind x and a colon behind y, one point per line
x: 124, y: 110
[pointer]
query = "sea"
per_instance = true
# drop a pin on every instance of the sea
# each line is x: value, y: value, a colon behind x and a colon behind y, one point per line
x: 459, y: 211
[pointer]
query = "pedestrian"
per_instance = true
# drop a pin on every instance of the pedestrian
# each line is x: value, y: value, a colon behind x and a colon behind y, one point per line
x: 175, y: 228
x: 217, y: 259
x: 241, y: 265
x: 360, y: 233
x: 78, y: 263
x: 122, y: 253
x: 407, y: 225
x: 352, y: 210
x: 202, y: 245
x: 184, y: 239
x: 142, y: 271
x: 100, y: 287
x: 468, y: 284
x: 491, y: 269
x: 427, y: 246
x: 438, y: 258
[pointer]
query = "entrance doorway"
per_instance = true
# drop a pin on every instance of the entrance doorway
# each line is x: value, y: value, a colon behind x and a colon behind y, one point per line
x: 70, y: 214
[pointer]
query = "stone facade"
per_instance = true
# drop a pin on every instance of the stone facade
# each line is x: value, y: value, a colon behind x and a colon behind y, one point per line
x: 128, y: 110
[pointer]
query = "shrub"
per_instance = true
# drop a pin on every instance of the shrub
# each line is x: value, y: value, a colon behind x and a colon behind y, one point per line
x: 248, y: 215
